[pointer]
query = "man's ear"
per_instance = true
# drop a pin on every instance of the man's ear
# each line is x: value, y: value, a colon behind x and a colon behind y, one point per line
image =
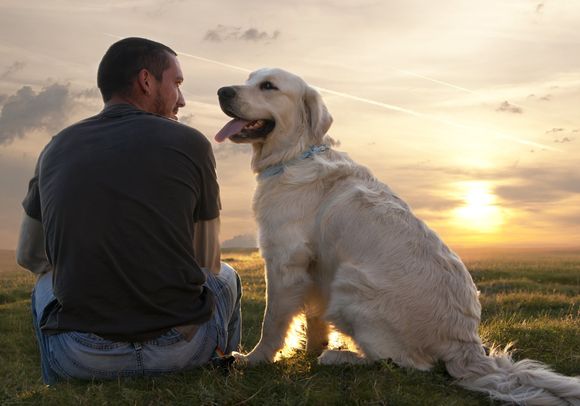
x: 144, y: 81
x: 319, y: 119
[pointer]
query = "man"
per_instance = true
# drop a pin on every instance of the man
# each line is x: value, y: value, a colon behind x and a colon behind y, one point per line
x: 121, y: 224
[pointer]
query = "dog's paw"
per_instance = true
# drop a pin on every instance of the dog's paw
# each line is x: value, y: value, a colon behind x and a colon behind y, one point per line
x: 340, y: 357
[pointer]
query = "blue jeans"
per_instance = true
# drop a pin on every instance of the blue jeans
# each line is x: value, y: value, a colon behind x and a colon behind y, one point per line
x: 87, y: 356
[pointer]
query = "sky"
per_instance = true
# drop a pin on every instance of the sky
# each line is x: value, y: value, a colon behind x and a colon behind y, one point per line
x: 468, y: 110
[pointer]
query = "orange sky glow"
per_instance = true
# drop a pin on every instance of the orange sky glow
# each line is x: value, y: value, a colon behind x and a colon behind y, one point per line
x: 468, y: 110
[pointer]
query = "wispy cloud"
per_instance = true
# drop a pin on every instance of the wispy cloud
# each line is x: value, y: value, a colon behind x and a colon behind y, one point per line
x: 15, y: 67
x: 509, y: 108
x: 227, y: 33
x: 515, y: 185
x: 241, y: 241
x: 27, y: 110
x: 540, y: 185
x: 562, y: 135
x: 91, y: 93
x: 227, y: 150
x: 49, y: 109
x: 187, y: 119
x: 547, y: 97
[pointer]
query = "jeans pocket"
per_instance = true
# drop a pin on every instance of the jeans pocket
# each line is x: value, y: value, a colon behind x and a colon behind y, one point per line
x: 94, y: 341
x: 88, y: 356
x: 173, y: 336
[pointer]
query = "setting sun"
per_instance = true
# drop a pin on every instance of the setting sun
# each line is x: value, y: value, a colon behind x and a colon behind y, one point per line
x: 479, y: 212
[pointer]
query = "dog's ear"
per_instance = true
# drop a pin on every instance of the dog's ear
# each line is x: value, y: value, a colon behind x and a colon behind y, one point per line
x: 319, y: 119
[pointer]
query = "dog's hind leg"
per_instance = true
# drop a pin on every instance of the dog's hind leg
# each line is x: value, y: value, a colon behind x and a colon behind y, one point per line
x: 384, y: 343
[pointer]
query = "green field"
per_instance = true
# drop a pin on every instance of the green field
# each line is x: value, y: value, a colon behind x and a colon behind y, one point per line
x: 529, y: 298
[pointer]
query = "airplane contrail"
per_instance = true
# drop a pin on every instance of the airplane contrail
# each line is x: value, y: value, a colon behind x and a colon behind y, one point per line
x: 226, y: 65
x: 438, y: 119
x: 389, y: 106
x: 451, y: 85
x: 396, y: 108
x: 464, y: 89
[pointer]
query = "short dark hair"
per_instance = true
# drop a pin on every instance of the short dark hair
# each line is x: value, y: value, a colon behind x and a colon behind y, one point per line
x: 125, y: 59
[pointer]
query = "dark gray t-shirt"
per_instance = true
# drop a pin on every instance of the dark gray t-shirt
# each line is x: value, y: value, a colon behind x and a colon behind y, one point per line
x: 118, y: 195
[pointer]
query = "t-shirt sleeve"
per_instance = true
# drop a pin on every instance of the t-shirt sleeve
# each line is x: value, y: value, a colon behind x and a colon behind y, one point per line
x: 31, y: 202
x: 209, y: 203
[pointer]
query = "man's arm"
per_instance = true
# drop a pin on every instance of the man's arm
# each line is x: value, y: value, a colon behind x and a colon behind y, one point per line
x: 30, y: 252
x: 206, y: 244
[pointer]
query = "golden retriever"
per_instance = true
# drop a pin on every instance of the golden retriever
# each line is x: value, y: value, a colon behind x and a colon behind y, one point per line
x: 342, y: 247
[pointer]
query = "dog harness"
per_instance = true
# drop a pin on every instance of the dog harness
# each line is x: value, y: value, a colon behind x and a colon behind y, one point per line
x: 279, y: 168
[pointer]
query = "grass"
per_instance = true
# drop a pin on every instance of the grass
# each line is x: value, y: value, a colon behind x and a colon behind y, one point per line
x: 532, y: 300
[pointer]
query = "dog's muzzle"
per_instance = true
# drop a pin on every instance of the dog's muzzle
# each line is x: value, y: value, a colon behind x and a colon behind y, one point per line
x: 227, y: 92
x: 226, y: 97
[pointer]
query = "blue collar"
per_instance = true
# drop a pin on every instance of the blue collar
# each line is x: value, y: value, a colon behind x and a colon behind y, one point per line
x: 279, y: 168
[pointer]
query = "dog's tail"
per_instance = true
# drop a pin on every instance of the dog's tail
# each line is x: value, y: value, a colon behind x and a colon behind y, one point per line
x: 525, y: 382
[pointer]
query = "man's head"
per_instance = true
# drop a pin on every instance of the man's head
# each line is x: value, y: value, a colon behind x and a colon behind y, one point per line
x: 142, y: 72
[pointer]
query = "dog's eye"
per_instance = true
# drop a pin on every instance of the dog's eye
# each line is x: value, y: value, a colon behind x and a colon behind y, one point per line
x: 267, y: 86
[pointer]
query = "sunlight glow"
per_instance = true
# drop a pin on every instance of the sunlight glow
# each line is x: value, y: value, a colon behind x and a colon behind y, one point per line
x: 296, y: 339
x: 479, y: 213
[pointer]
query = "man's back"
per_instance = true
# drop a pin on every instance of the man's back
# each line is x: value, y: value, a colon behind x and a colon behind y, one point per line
x: 119, y: 194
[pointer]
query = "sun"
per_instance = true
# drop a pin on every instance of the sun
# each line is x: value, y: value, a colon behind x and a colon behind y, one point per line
x: 479, y: 212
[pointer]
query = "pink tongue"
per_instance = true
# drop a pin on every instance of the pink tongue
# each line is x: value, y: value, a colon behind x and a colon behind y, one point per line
x: 231, y: 128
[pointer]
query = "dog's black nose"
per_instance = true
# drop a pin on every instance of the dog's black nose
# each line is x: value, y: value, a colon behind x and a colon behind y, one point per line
x: 226, y: 92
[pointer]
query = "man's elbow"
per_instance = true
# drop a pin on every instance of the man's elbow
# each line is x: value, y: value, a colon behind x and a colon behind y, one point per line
x: 24, y: 259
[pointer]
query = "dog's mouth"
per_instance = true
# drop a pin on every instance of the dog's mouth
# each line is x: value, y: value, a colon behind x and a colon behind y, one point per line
x: 240, y: 130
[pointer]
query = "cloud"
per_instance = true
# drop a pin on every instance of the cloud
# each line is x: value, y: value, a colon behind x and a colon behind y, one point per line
x: 568, y: 219
x: 539, y: 185
x: 27, y: 111
x: 241, y: 241
x: 91, y: 93
x: 187, y: 119
x: 518, y: 186
x: 509, y: 108
x: 555, y: 132
x: 228, y: 149
x: 2, y: 98
x: 547, y: 97
x: 253, y: 34
x: 540, y: 8
x: 226, y: 33
x: 15, y: 67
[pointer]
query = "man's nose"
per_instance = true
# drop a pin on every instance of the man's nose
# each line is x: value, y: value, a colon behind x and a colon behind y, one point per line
x: 180, y: 100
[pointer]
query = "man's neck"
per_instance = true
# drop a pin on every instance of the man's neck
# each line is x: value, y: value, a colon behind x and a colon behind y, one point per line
x: 126, y: 100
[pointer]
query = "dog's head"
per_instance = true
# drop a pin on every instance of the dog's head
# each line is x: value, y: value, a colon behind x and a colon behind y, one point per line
x: 274, y: 108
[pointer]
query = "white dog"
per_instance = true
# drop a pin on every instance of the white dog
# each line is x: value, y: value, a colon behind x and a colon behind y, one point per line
x: 342, y: 247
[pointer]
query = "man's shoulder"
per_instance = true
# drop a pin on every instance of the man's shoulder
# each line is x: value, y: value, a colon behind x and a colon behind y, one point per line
x: 167, y: 127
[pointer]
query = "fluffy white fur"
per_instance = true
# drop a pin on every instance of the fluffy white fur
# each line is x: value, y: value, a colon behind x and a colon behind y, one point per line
x: 345, y: 249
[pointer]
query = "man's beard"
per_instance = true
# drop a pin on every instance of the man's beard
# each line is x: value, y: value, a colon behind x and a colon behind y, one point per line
x: 159, y: 107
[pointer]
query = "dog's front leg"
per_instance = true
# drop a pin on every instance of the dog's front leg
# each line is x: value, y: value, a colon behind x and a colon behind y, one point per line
x: 286, y: 286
